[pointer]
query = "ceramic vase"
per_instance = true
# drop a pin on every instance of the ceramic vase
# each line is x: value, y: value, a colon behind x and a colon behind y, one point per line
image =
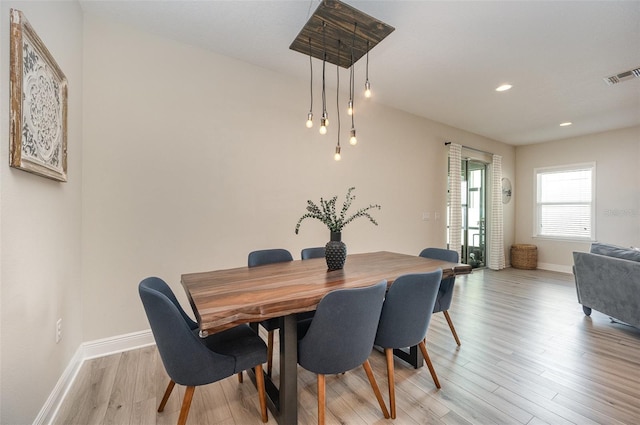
x: 335, y: 252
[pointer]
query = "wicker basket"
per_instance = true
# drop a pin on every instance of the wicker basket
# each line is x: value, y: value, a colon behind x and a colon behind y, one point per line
x: 524, y: 256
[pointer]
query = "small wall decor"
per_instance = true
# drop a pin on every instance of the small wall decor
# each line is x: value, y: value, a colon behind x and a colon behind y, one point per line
x: 38, y: 139
x: 506, y: 190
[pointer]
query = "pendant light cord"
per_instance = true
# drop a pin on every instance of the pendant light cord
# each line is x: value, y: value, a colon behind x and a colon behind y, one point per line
x: 324, y: 97
x: 367, y: 76
x: 338, y: 92
x: 324, y: 62
x: 352, y: 77
x: 311, y: 79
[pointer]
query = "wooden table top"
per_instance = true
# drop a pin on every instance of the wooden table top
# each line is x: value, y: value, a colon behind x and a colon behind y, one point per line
x: 222, y: 299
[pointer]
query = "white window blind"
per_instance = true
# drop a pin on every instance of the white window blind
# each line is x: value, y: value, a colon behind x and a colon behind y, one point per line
x: 565, y: 202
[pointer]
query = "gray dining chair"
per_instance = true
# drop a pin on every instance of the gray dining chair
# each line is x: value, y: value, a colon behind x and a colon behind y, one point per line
x: 268, y: 256
x: 404, y: 321
x: 340, y: 337
x: 193, y: 361
x: 309, y: 253
x: 260, y: 258
x: 445, y: 293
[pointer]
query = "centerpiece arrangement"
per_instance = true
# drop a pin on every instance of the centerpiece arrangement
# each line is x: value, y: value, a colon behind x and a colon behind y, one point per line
x: 336, y: 250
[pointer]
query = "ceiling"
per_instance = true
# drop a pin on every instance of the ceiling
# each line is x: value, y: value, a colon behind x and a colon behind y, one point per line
x: 445, y: 58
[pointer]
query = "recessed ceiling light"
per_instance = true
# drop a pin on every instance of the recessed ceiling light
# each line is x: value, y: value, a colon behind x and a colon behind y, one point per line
x: 504, y: 87
x: 565, y: 124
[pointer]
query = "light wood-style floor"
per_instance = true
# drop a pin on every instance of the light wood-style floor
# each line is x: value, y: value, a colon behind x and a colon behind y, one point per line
x: 528, y: 356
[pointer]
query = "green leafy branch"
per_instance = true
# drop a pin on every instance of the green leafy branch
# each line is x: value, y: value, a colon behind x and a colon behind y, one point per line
x: 326, y: 212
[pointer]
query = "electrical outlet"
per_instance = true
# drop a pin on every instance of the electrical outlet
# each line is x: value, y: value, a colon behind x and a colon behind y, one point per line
x: 426, y: 216
x: 58, y: 330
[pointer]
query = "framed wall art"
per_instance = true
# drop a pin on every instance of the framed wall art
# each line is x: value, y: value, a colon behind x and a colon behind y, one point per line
x: 38, y: 139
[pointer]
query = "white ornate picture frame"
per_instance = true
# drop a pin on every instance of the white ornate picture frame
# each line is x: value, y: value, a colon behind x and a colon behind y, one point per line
x: 38, y: 139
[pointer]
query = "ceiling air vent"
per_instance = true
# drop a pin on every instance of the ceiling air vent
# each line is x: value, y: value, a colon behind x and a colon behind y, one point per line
x: 623, y: 76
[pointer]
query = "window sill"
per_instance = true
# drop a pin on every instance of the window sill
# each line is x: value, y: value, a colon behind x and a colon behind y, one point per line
x: 563, y: 239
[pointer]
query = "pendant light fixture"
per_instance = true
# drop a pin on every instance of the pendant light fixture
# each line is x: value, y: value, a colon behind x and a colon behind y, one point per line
x: 353, y: 40
x: 367, y: 84
x: 310, y: 114
x: 352, y: 132
x: 324, y: 121
x: 320, y: 38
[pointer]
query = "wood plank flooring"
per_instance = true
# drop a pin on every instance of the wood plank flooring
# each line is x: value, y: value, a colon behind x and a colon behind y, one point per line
x: 528, y: 356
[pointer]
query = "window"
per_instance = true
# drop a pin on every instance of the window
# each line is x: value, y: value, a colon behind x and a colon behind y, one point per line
x: 565, y: 205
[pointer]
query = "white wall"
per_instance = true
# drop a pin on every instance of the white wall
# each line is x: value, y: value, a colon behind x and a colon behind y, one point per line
x: 192, y: 159
x: 617, y: 158
x: 40, y: 233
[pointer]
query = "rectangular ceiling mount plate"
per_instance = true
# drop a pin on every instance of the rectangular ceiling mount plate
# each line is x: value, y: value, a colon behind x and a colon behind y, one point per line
x: 336, y: 25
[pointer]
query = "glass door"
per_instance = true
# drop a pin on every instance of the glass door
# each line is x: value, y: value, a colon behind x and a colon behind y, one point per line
x: 473, y: 200
x: 473, y: 174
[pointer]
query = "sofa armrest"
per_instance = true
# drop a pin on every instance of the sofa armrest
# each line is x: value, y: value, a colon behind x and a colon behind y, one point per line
x: 609, y: 285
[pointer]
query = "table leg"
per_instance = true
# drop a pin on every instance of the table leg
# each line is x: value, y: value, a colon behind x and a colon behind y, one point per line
x: 413, y: 356
x: 289, y: 371
x: 283, y: 401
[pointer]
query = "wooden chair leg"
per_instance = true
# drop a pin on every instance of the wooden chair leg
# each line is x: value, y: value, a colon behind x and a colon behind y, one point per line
x: 167, y: 393
x: 240, y: 377
x: 269, y: 352
x: 372, y: 380
x: 453, y: 330
x: 391, y: 378
x: 321, y: 399
x: 423, y: 348
x: 186, y: 404
x: 261, y: 394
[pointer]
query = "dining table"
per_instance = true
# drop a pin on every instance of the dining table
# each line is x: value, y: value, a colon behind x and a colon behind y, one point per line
x: 222, y: 299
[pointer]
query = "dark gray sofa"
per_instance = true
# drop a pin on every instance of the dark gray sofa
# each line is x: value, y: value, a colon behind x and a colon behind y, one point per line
x: 608, y: 280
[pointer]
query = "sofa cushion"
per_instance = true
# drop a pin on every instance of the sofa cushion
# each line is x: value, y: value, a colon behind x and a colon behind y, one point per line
x: 615, y: 251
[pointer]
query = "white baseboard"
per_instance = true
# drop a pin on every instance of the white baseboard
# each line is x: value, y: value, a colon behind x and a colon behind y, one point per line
x: 52, y: 405
x: 117, y: 344
x: 556, y: 268
x: 88, y: 350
